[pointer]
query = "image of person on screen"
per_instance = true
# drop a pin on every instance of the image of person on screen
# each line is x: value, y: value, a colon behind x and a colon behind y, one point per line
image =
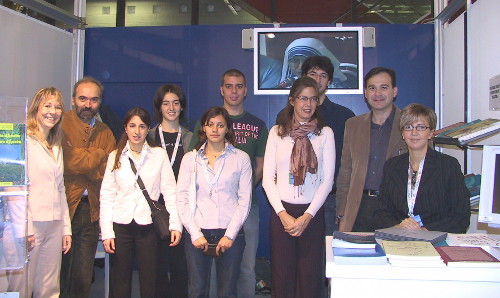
x: 269, y: 71
x: 295, y: 55
x: 423, y: 188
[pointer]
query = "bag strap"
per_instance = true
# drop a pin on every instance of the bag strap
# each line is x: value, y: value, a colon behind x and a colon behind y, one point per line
x: 143, y: 187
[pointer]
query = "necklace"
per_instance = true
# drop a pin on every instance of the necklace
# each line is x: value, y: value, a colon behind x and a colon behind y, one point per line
x: 414, y: 178
x: 138, y: 152
x: 215, y: 154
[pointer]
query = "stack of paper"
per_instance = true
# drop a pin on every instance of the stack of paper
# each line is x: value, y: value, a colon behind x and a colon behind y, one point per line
x: 464, y: 256
x: 401, y: 234
x: 473, y: 239
x: 357, y: 249
x: 412, y: 254
x: 468, y: 132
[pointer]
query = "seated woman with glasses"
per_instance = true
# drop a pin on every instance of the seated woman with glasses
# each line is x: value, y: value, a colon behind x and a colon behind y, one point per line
x: 423, y: 188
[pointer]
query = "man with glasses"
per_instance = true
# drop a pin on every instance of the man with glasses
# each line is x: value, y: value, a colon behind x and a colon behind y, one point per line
x: 321, y: 69
x: 86, y: 144
x: 370, y: 139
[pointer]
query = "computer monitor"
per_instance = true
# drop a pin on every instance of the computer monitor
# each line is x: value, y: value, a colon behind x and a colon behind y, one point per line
x: 489, y: 202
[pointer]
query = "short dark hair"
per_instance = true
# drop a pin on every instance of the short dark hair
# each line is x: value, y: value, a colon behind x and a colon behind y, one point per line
x: 321, y: 62
x: 376, y: 70
x: 209, y: 114
x: 233, y: 73
x: 88, y: 80
x: 160, y: 94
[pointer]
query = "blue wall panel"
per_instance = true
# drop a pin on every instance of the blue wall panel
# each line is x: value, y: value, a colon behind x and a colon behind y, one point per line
x: 132, y: 62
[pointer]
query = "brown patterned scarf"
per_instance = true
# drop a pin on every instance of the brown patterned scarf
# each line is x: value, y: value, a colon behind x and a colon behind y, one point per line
x: 303, y: 157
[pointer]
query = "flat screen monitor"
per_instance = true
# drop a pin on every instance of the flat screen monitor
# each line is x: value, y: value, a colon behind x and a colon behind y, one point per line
x: 280, y: 52
x: 489, y: 201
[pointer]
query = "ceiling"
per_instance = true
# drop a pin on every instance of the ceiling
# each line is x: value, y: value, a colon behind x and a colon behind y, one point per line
x: 339, y: 11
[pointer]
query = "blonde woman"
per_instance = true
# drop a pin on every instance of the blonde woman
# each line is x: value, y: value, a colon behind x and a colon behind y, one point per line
x: 48, y: 209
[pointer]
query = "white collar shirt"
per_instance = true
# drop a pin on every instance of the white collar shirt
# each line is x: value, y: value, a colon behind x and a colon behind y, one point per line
x: 121, y: 197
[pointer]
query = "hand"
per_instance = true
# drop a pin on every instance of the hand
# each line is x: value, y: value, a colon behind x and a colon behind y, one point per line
x: 175, y: 237
x: 342, y: 225
x: 66, y: 243
x: 299, y: 225
x: 109, y: 245
x: 30, y: 242
x: 224, y: 244
x: 201, y: 243
x: 286, y: 219
x: 409, y: 223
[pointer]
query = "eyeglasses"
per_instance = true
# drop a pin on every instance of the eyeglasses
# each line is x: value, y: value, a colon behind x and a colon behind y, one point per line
x: 49, y: 107
x: 305, y: 98
x: 418, y: 127
x: 323, y: 76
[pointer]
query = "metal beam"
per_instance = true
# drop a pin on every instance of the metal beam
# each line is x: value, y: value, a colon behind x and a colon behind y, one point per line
x: 450, y: 10
x: 54, y: 12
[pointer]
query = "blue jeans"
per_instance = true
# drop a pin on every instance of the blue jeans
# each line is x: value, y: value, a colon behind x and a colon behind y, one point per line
x: 246, y: 282
x: 78, y: 264
x: 227, y: 266
x: 330, y: 214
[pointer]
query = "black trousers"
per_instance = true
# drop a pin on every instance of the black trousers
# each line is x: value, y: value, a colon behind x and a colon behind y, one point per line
x: 173, y: 264
x: 296, y: 262
x: 364, y: 219
x: 132, y: 240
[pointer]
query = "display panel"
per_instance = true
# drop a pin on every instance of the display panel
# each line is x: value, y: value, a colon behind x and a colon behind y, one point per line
x: 280, y: 52
x: 489, y: 202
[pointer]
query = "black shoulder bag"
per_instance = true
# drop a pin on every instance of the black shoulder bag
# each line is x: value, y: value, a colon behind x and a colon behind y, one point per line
x: 159, y: 213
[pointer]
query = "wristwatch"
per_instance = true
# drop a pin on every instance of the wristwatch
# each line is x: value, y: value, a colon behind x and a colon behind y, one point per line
x: 339, y: 217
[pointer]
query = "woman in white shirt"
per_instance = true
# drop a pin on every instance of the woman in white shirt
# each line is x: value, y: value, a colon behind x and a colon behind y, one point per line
x: 125, y: 216
x: 215, y: 217
x: 299, y: 167
x: 48, y: 208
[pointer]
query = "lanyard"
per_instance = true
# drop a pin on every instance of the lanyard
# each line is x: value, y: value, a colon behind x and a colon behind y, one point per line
x: 211, y: 183
x: 411, y: 191
x: 174, y: 154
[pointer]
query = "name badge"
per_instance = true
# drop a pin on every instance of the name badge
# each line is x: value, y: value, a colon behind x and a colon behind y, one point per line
x: 418, y: 219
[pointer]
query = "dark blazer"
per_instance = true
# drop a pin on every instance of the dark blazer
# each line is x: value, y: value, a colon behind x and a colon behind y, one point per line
x: 442, y: 198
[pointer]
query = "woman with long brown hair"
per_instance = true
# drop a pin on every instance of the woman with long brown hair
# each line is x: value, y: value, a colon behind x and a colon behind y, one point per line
x: 299, y: 167
x: 125, y: 216
x: 223, y: 177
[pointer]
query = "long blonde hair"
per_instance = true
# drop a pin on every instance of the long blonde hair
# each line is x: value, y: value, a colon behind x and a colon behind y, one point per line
x: 33, y: 126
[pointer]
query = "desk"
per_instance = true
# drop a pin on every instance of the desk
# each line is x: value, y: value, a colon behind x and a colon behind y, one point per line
x: 388, y: 281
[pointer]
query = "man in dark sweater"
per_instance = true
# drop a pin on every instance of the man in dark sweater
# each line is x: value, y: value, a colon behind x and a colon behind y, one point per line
x: 320, y: 68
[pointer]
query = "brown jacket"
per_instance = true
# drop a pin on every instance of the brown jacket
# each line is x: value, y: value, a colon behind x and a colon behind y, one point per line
x: 86, y: 150
x: 354, y: 164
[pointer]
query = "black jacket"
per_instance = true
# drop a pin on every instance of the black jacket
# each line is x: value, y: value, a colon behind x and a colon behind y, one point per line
x: 442, y: 198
